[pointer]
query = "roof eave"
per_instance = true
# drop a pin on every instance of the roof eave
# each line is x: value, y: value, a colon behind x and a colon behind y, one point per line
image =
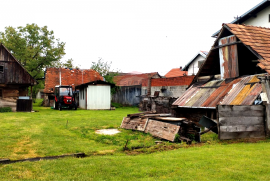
x: 243, y: 16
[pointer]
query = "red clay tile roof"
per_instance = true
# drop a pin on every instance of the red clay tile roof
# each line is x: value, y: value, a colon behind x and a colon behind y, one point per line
x: 257, y: 38
x: 176, y: 72
x: 172, y: 81
x: 72, y: 77
x: 132, y: 79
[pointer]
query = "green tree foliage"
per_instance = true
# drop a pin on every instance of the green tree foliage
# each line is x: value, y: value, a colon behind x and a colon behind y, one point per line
x: 67, y: 64
x: 34, y: 47
x: 104, y: 69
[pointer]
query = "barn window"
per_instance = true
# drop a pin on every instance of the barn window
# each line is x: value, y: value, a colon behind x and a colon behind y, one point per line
x: 1, y: 69
x: 1, y: 93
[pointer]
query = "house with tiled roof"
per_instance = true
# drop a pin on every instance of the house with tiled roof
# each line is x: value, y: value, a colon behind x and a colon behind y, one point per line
x: 66, y: 76
x: 193, y: 66
x: 256, y: 16
x: 176, y: 72
x: 230, y: 74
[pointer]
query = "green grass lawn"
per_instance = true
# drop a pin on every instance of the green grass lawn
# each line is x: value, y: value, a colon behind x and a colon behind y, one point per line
x: 50, y: 132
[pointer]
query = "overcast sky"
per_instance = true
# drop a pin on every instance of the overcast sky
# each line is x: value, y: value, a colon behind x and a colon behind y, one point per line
x: 135, y: 35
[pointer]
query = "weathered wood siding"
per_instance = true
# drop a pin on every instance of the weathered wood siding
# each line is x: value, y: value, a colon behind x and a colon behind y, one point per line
x: 241, y: 121
x: 13, y: 73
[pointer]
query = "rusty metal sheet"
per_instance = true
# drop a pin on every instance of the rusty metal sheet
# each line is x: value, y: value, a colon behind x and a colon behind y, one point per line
x: 251, y: 97
x: 235, y: 91
x: 206, y: 92
x: 228, y: 58
x: 244, y: 92
x: 181, y: 101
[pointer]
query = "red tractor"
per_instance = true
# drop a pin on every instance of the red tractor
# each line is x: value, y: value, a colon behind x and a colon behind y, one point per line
x: 64, y: 97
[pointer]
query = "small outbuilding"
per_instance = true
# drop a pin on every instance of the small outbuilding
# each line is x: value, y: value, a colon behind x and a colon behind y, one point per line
x: 95, y: 95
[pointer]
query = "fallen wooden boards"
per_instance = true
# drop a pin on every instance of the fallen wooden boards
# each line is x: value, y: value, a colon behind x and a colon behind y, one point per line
x: 134, y: 123
x: 162, y: 130
x: 241, y: 121
x: 158, y: 129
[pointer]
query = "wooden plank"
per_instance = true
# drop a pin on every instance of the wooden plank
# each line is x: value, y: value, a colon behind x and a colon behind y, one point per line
x: 237, y: 135
x: 153, y: 115
x: 162, y: 130
x: 241, y: 111
x: 134, y: 124
x: 242, y: 114
x: 240, y: 108
x: 242, y: 128
x: 231, y: 121
x: 169, y: 119
x: 267, y: 119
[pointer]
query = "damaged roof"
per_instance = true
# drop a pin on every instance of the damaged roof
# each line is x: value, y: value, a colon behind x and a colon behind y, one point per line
x: 71, y: 77
x: 257, y: 38
x: 133, y: 79
x: 240, y: 91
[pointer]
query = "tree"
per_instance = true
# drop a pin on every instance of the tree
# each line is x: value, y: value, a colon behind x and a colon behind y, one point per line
x: 67, y: 64
x: 104, y: 69
x: 34, y: 47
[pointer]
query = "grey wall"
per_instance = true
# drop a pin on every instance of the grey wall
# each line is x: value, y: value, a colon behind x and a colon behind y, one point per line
x: 127, y: 95
x: 170, y: 91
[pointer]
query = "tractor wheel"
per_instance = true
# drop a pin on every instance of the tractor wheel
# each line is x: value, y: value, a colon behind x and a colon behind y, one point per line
x: 55, y: 105
x: 75, y: 106
x: 59, y: 107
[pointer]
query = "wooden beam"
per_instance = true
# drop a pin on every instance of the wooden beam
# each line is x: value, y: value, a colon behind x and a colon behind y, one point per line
x: 220, y: 46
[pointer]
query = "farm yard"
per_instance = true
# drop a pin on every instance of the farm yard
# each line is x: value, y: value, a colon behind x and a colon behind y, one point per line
x: 48, y: 132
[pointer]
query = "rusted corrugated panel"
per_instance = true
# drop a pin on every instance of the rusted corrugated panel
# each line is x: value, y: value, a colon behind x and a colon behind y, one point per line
x: 197, y: 99
x: 235, y: 91
x: 181, y: 101
x: 251, y: 97
x: 228, y: 58
x: 207, y: 92
x: 244, y: 92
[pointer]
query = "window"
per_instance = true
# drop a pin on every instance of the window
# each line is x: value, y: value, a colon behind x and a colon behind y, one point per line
x: 1, y: 69
x: 200, y: 63
x: 1, y: 93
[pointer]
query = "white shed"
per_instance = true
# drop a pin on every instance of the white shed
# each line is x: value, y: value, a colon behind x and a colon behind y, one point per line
x: 95, y: 95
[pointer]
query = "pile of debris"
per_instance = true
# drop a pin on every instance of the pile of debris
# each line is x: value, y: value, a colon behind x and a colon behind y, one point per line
x: 163, y: 126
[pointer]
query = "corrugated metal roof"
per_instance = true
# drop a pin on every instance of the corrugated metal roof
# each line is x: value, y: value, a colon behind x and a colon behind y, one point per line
x: 241, y: 91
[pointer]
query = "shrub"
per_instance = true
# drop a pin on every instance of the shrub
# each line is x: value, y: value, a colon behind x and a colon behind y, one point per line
x: 116, y: 105
x: 5, y: 109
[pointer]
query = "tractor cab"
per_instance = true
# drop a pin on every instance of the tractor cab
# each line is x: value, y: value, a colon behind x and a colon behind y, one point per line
x: 64, y: 97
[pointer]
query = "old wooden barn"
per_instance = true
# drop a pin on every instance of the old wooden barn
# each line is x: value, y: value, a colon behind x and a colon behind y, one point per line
x: 14, y: 80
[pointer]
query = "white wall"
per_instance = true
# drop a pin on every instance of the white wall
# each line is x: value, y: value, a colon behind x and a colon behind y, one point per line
x: 262, y: 19
x: 193, y: 67
x: 99, y: 97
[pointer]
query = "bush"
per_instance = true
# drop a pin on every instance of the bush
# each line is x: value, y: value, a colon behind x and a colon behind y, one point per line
x: 5, y: 109
x: 116, y: 105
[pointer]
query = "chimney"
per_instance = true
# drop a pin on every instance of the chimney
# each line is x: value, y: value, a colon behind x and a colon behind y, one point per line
x: 149, y: 86
x: 181, y: 68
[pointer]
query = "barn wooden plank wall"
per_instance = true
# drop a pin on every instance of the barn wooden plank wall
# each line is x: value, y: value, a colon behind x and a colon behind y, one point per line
x: 13, y: 73
x: 241, y: 121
